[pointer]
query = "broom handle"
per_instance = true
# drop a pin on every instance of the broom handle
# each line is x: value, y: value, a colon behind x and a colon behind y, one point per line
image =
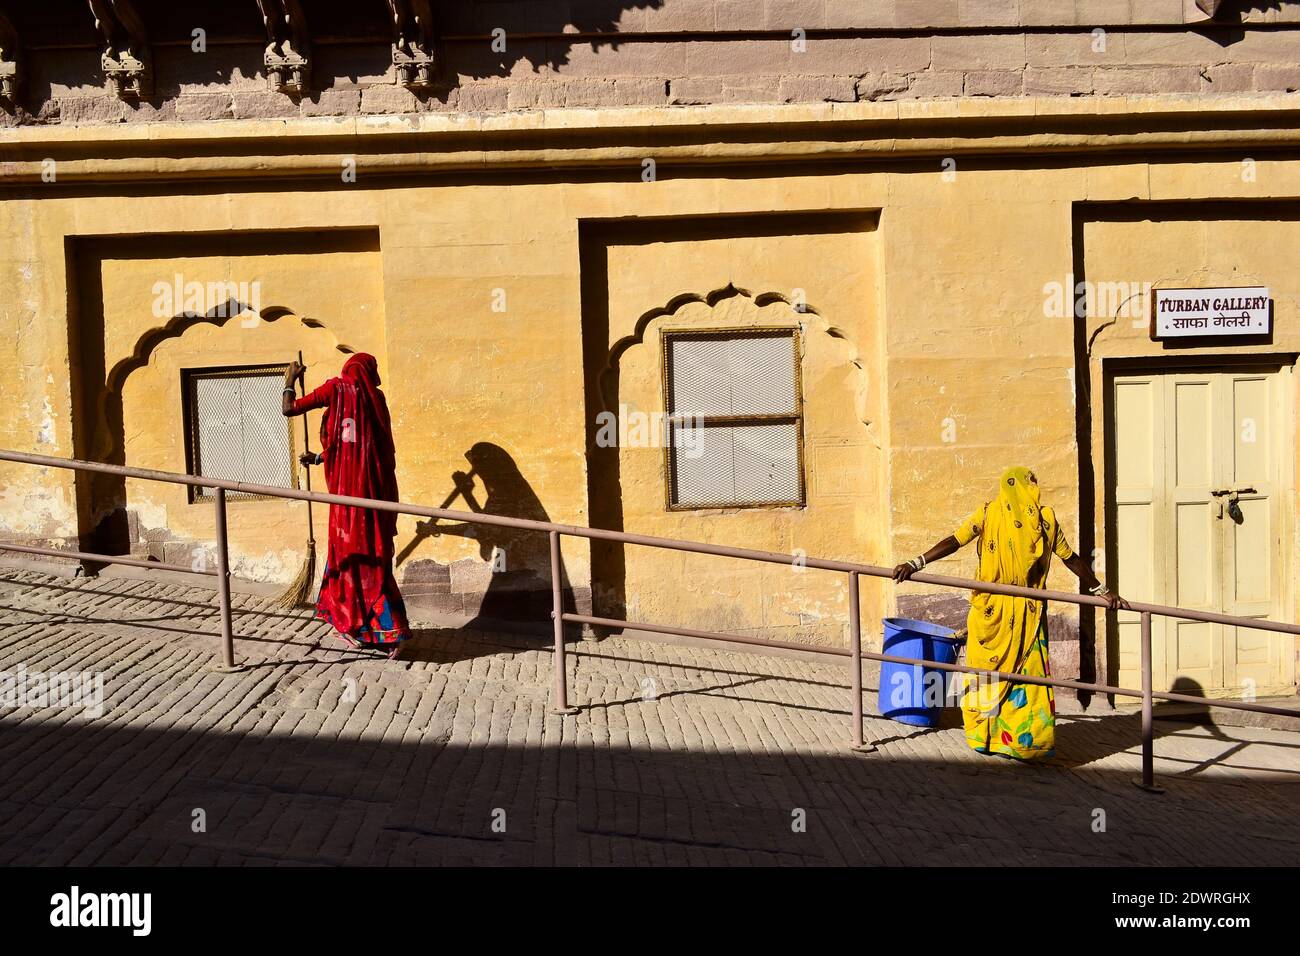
x: 306, y: 446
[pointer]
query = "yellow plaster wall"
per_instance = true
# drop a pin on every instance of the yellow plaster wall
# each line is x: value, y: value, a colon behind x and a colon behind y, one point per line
x: 954, y: 273
x: 1239, y: 245
x: 339, y: 291
x: 37, y: 504
x: 835, y: 274
x: 339, y: 294
x: 979, y: 375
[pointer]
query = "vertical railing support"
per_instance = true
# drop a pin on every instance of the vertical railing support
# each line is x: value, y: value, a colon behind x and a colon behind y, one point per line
x: 560, y: 692
x: 223, y: 584
x: 1147, y: 780
x: 855, y: 663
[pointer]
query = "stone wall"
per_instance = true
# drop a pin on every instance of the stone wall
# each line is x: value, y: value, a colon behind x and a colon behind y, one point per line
x: 593, y: 53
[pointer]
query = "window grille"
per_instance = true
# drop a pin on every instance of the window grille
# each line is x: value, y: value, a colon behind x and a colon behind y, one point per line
x: 235, y: 429
x: 735, y: 418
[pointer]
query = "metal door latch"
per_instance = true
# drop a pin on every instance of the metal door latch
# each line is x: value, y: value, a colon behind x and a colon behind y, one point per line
x: 1234, y: 509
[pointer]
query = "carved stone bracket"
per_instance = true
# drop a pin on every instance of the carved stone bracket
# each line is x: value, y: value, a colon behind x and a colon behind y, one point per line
x: 10, y: 71
x: 413, y: 43
x: 288, y: 47
x: 124, y: 51
x: 1210, y: 7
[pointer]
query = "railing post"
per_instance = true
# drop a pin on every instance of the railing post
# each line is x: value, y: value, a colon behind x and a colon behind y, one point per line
x: 1147, y: 780
x: 223, y: 585
x: 855, y: 662
x: 560, y: 693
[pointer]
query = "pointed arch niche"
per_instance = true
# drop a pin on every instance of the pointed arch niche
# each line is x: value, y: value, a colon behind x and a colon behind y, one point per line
x: 139, y: 322
x: 842, y: 461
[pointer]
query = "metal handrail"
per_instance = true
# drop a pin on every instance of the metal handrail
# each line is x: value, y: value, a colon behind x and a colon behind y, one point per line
x: 560, y: 617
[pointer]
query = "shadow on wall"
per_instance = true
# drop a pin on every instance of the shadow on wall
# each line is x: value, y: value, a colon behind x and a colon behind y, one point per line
x: 513, y: 573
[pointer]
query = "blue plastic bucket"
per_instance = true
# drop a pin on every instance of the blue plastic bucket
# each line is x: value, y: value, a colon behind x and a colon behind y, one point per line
x: 910, y: 693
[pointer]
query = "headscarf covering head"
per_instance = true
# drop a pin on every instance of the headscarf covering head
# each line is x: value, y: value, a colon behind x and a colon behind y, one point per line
x: 357, y: 445
x: 362, y: 366
x: 1014, y: 535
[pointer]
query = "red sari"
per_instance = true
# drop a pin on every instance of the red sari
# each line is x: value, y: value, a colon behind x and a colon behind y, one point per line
x: 358, y: 593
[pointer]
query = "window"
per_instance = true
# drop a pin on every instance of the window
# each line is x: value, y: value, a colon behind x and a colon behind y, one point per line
x: 235, y: 428
x: 735, y: 418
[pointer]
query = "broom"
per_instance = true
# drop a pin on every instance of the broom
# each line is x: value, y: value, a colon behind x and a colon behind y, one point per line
x: 298, y: 594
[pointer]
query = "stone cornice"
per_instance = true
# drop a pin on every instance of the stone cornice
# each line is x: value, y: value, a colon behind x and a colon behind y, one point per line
x: 595, y: 138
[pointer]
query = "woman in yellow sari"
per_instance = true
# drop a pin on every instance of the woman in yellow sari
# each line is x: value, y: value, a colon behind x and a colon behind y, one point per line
x: 1017, y: 538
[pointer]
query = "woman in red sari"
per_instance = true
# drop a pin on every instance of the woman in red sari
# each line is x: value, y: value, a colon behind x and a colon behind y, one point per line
x: 358, y: 593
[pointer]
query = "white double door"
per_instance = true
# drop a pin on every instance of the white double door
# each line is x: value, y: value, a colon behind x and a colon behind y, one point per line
x: 1202, y: 473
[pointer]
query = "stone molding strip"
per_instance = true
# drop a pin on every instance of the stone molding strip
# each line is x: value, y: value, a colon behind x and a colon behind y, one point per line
x: 596, y: 138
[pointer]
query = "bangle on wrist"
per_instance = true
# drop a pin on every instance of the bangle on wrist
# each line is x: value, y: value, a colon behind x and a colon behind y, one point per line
x: 917, y: 563
x: 1098, y: 590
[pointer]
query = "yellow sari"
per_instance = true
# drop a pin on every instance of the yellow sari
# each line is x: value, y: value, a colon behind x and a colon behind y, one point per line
x: 1016, y: 539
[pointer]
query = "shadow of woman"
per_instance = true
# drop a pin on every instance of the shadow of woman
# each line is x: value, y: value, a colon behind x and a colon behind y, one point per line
x: 1083, y: 739
x: 517, y: 597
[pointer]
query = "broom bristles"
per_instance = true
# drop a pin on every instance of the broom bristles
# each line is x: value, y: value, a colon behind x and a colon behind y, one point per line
x: 298, y: 594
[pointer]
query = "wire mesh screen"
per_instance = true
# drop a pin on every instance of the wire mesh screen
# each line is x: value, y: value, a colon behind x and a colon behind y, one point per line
x: 751, y: 374
x: 237, y: 430
x: 736, y: 464
x: 734, y: 406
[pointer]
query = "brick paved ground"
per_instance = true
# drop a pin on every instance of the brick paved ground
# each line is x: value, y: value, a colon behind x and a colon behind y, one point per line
x: 318, y: 754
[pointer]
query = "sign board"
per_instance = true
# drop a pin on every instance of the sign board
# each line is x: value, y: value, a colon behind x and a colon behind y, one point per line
x: 1181, y: 313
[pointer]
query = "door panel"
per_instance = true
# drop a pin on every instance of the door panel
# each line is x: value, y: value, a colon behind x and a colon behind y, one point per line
x: 1188, y: 447
x: 1139, y: 444
x: 1194, y: 456
x: 1194, y: 566
x: 1254, y: 661
x: 1196, y: 585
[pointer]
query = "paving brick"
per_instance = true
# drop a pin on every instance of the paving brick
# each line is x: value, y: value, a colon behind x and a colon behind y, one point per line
x: 323, y: 755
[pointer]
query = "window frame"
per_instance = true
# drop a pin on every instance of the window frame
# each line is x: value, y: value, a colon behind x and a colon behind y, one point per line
x: 796, y: 417
x: 190, y: 425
